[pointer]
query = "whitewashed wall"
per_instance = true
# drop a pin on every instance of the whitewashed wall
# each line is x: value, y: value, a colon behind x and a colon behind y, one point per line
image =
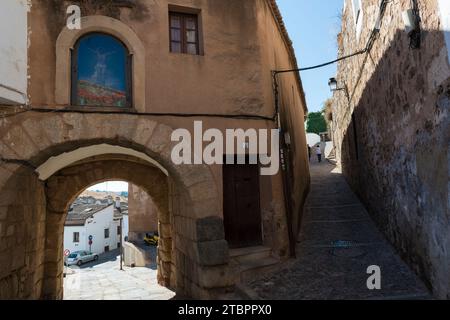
x: 94, y: 226
x: 125, y: 227
x: 13, y: 51
x: 68, y: 238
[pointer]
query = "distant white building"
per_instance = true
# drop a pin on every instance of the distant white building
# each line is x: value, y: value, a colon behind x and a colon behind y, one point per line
x: 312, y: 139
x: 101, y: 221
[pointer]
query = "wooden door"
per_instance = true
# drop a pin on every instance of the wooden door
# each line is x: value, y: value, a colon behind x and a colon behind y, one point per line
x: 242, y: 212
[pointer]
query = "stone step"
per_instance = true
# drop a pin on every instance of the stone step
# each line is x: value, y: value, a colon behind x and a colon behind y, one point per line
x: 250, y: 253
x: 251, y: 269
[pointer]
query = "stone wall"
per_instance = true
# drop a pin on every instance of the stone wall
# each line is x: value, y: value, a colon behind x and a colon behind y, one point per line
x: 22, y: 232
x: 392, y: 137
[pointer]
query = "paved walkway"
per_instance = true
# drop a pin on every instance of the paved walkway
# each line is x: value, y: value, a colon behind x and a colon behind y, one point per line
x: 105, y: 281
x: 337, y: 243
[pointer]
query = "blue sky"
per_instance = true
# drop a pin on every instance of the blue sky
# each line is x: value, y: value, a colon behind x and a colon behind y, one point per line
x: 313, y: 26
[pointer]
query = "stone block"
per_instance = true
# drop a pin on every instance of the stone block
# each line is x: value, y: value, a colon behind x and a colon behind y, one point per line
x: 144, y: 130
x: 195, y: 174
x: 210, y: 229
x: 165, y: 230
x: 216, y: 277
x: 3, y: 213
x: 18, y: 257
x: 207, y: 208
x: 10, y: 230
x: 213, y: 253
x: 165, y: 244
x: 161, y: 138
x: 164, y: 256
x: 203, y: 191
x: 165, y: 269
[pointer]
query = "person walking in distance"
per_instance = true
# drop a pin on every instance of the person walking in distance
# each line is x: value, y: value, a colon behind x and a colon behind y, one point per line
x: 319, y: 153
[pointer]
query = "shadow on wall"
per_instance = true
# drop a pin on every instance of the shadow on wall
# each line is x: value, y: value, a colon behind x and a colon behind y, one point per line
x: 395, y: 152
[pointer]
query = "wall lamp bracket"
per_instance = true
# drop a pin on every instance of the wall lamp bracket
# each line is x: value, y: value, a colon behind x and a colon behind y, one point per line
x: 333, y: 84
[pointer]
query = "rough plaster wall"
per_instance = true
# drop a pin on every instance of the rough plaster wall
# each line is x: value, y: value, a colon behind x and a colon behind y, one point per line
x: 400, y: 103
x: 275, y: 57
x: 13, y: 51
x: 174, y: 82
x: 142, y: 211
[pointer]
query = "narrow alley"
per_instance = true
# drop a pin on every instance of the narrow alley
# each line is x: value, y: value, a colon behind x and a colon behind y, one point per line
x: 338, y: 242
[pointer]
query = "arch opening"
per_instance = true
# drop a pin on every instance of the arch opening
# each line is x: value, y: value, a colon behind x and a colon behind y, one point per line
x: 65, y: 186
x: 103, y: 258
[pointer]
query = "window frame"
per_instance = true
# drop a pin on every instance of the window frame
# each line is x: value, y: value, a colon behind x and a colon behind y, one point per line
x: 74, y: 75
x: 76, y: 239
x: 183, y: 32
x: 106, y: 233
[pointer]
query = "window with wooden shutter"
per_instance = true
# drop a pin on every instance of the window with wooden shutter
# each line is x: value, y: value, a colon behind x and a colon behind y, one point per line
x: 184, y: 35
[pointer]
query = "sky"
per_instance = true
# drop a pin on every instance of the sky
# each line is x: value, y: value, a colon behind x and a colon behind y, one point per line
x: 313, y: 27
x: 112, y: 186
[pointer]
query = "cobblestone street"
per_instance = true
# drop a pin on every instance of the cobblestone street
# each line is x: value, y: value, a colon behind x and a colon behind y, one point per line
x: 105, y: 281
x: 337, y: 243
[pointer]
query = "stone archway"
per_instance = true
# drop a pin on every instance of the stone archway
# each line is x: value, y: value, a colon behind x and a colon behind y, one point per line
x: 201, y: 252
x: 64, y: 186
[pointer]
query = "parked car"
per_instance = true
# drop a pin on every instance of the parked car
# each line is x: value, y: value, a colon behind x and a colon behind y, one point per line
x: 151, y: 239
x: 80, y: 257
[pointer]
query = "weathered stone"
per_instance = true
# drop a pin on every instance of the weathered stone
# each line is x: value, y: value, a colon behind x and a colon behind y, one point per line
x: 144, y: 130
x: 203, y: 191
x: 160, y: 139
x: 213, y: 253
x: 216, y: 277
x: 391, y: 139
x: 10, y: 230
x: 206, y: 208
x: 210, y: 229
x: 164, y: 256
x: 165, y: 230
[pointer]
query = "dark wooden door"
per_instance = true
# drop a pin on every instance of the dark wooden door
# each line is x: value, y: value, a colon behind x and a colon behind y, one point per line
x: 242, y: 213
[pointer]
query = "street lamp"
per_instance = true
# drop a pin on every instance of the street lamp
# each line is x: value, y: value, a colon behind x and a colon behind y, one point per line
x: 333, y: 84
